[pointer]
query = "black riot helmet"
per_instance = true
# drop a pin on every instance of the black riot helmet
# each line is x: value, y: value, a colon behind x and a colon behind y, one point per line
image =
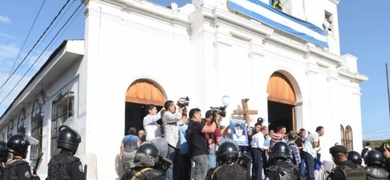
x: 228, y: 152
x: 147, y: 155
x: 17, y: 145
x: 68, y: 139
x: 355, y: 157
x: 374, y: 157
x: 3, y: 151
x: 280, y: 150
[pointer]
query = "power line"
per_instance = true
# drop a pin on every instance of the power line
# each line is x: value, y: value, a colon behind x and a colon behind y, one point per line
x: 28, y: 34
x: 42, y: 53
x: 51, y: 23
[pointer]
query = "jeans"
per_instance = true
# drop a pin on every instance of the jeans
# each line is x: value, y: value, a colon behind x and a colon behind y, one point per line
x: 173, y: 172
x: 212, y: 159
x: 201, y: 166
x: 309, y: 161
x: 257, y: 168
x: 302, y: 170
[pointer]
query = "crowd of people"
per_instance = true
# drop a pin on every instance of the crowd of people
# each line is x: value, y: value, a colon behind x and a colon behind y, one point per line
x: 201, y: 148
x: 193, y: 143
x: 187, y: 146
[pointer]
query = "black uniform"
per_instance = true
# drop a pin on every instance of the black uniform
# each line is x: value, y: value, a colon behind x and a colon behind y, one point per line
x: 226, y: 171
x: 142, y: 173
x: 352, y: 170
x: 281, y: 170
x: 1, y: 171
x: 18, y: 169
x: 376, y: 172
x: 65, y: 166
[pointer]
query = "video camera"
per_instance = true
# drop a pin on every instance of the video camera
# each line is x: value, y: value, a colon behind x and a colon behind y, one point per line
x: 220, y: 110
x: 183, y: 102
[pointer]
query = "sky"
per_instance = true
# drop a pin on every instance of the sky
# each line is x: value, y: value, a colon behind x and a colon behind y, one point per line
x: 362, y: 28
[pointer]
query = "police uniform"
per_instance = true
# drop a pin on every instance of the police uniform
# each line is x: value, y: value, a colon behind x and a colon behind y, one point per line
x: 3, y: 157
x: 65, y: 166
x: 376, y: 172
x: 148, y: 164
x: 346, y: 169
x: 375, y: 169
x: 1, y: 172
x: 281, y: 170
x: 142, y: 173
x: 18, y: 169
x: 226, y: 171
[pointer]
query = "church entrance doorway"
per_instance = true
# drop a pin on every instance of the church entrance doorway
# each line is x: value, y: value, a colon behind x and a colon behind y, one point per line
x: 141, y: 93
x: 281, y: 102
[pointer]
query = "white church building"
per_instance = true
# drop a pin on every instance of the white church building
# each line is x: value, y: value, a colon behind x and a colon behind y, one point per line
x: 286, y: 61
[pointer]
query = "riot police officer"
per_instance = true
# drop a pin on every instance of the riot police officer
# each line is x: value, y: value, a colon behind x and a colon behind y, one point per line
x: 281, y: 170
x: 65, y: 165
x: 3, y: 157
x: 355, y: 157
x: 228, y: 154
x: 147, y: 164
x: 17, y: 167
x: 345, y: 168
x: 375, y: 169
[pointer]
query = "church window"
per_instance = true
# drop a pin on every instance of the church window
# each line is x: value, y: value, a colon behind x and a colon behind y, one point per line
x: 10, y: 129
x: 63, y: 108
x: 21, y: 129
x: 342, y: 141
x: 328, y: 22
x: 36, y: 129
x: 348, y: 138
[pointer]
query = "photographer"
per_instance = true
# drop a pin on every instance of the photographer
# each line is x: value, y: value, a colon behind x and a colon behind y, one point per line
x: 198, y: 146
x: 213, y: 139
x: 170, y: 121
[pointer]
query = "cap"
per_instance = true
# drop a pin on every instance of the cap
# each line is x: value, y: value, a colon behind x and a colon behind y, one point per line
x: 337, y: 149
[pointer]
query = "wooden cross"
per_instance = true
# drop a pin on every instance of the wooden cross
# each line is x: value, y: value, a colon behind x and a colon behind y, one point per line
x: 245, y: 111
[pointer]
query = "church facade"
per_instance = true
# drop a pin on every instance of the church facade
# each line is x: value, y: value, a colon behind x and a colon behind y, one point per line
x: 286, y: 61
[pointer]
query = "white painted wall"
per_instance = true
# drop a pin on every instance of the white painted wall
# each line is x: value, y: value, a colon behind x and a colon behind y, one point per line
x: 201, y: 57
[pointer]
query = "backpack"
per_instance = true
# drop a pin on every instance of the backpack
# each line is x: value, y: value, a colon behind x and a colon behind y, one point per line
x: 353, y: 174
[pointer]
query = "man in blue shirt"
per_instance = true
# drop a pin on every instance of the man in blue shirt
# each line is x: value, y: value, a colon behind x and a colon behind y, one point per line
x: 185, y: 162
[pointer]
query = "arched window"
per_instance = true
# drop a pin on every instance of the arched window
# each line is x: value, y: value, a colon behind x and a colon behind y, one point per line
x: 342, y: 135
x: 62, y: 109
x: 36, y: 129
x: 348, y: 138
x: 10, y: 129
x: 20, y: 124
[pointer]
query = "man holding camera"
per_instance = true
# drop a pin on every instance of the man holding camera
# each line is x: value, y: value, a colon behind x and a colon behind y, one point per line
x: 198, y: 146
x: 171, y: 120
x: 213, y: 139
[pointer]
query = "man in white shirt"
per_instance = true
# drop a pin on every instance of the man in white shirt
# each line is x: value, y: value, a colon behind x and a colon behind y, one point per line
x: 171, y: 120
x: 310, y: 151
x: 257, y: 148
x: 152, y: 129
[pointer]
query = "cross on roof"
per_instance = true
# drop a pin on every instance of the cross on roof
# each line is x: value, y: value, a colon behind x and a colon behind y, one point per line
x: 245, y: 111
